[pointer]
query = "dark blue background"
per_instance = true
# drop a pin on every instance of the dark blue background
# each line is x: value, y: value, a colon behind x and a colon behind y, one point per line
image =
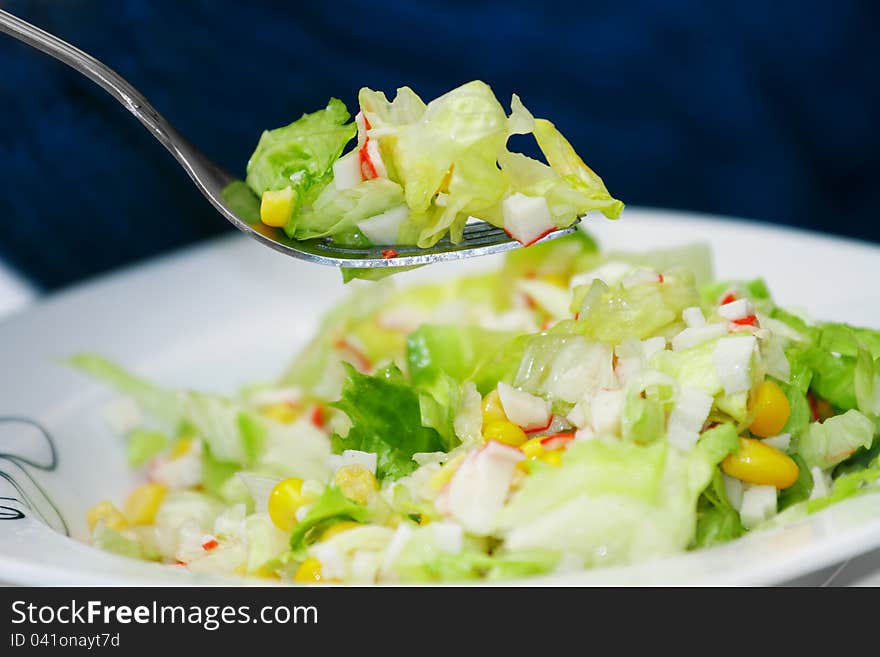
x: 766, y: 110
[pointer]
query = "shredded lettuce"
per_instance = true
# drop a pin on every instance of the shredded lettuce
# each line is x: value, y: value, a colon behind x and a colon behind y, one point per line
x: 301, y: 155
x: 144, y: 444
x: 386, y: 419
x: 825, y: 444
x: 332, y: 507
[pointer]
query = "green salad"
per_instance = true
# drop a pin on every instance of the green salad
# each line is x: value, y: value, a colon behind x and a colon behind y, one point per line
x: 569, y: 409
x: 416, y: 173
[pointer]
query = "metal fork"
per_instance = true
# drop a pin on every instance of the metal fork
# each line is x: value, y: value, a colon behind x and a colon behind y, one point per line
x: 479, y: 238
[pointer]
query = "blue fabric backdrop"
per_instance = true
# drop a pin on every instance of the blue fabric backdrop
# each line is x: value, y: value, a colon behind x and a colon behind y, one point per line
x: 762, y: 110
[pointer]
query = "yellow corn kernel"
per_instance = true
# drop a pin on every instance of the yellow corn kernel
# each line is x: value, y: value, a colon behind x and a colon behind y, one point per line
x: 276, y: 207
x: 265, y: 573
x: 504, y: 432
x: 108, y: 513
x: 338, y: 528
x: 356, y: 482
x: 308, y: 572
x: 180, y: 448
x: 141, y: 506
x: 553, y: 458
x: 532, y: 448
x: 284, y: 501
x: 556, y: 279
x: 760, y: 464
x: 493, y: 411
x: 770, y: 410
x: 281, y: 412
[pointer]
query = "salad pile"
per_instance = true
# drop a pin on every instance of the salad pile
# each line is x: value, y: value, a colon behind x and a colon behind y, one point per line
x: 417, y: 172
x: 569, y: 409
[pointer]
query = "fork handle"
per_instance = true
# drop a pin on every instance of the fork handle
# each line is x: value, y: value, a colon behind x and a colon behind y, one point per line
x: 114, y: 84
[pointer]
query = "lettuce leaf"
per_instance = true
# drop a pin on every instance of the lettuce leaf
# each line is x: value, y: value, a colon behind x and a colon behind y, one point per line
x: 328, y: 509
x: 301, y: 155
x: 825, y: 444
x: 434, y: 349
x: 800, y: 490
x: 563, y: 159
x: 143, y: 445
x: 154, y: 400
x: 717, y: 520
x: 386, y: 418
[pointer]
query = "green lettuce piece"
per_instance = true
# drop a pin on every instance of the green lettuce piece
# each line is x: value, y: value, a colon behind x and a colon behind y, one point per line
x: 386, y: 419
x: 848, y: 340
x: 643, y: 420
x: 334, y: 211
x: 691, y: 367
x: 432, y: 350
x: 866, y: 382
x: 406, y: 107
x: 717, y: 521
x: 861, y: 459
x: 231, y: 432
x: 155, y: 401
x: 438, y: 566
x: 113, y: 541
x: 439, y: 403
x: 825, y: 444
x: 372, y: 273
x: 215, y: 473
x: 799, y: 490
x: 563, y: 367
x: 143, y: 445
x: 462, y: 131
x: 719, y: 441
x: 800, y: 415
x: 833, y: 377
x: 794, y: 321
x: 617, y: 313
x: 563, y: 159
x: 566, y: 200
x: 330, y: 508
x: 851, y: 484
x: 301, y: 155
x: 610, y: 502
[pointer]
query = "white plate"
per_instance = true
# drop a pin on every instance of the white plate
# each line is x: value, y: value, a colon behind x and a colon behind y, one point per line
x: 233, y: 311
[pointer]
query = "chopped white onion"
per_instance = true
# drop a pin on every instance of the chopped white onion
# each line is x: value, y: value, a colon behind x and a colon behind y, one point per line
x: 734, y: 489
x: 693, y: 317
x: 606, y: 409
x: 691, y: 337
x: 523, y: 408
x: 609, y: 273
x: 347, y: 171
x: 780, y: 442
x: 738, y: 309
x: 758, y: 505
x: 526, y: 218
x: 732, y: 358
x: 449, y: 536
x: 688, y: 415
